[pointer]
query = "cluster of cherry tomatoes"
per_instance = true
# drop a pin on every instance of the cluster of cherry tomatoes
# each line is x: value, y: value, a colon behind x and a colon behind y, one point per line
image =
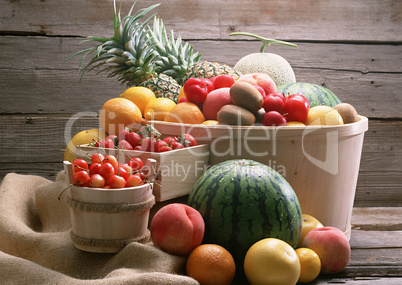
x: 146, y: 139
x: 281, y: 109
x: 107, y: 172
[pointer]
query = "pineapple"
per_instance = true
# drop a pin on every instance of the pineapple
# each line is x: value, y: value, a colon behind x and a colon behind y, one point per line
x: 173, y: 58
x: 209, y: 69
x: 163, y: 86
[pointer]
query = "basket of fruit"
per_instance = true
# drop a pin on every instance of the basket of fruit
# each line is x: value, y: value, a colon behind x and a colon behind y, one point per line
x: 108, y: 211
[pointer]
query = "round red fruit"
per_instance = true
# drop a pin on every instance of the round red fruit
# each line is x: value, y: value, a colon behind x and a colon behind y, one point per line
x: 224, y: 80
x: 106, y: 170
x: 96, y: 181
x: 123, y: 144
x: 136, y: 163
x: 97, y: 158
x: 79, y: 164
x: 274, y: 102
x: 273, y: 118
x: 81, y: 178
x: 94, y: 168
x: 123, y: 134
x: 112, y: 160
x: 120, y: 171
x: 196, y: 90
x: 134, y: 139
x: 296, y: 108
x: 116, y: 181
x: 133, y: 180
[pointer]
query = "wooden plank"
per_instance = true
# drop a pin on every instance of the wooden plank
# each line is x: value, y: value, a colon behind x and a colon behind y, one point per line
x: 358, y: 281
x: 377, y: 218
x: 356, y: 77
x: 382, y: 238
x: 286, y: 19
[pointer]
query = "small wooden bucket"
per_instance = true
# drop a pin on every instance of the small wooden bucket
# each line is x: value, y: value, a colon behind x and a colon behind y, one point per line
x: 106, y: 220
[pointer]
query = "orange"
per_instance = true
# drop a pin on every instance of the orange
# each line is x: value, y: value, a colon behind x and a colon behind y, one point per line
x: 271, y: 261
x: 211, y: 264
x: 118, y: 113
x: 185, y: 113
x: 158, y: 108
x: 139, y: 95
x: 310, y: 265
x: 308, y: 223
x: 210, y: 123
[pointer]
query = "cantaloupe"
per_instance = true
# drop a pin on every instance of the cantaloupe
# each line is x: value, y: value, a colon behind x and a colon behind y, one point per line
x: 277, y: 67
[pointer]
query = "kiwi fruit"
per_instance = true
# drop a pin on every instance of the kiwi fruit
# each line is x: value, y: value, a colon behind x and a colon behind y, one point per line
x: 347, y: 112
x: 245, y: 95
x: 235, y: 115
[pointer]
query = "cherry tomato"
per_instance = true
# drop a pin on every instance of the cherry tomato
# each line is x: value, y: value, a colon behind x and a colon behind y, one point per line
x: 133, y: 180
x: 79, y: 164
x: 116, y: 181
x: 81, y: 178
x: 106, y: 170
x: 224, y: 80
x: 96, y: 181
x: 274, y: 102
x: 136, y: 163
x: 273, y: 118
x: 296, y: 108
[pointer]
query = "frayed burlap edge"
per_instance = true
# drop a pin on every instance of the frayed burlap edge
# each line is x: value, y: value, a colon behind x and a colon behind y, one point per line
x: 111, y: 208
x: 114, y: 243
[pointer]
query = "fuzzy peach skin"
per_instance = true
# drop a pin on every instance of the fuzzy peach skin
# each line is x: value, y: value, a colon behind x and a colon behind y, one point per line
x: 261, y: 79
x: 215, y: 100
x: 331, y: 245
x: 177, y: 229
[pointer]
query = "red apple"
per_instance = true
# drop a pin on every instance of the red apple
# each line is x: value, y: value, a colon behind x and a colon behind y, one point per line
x: 331, y: 245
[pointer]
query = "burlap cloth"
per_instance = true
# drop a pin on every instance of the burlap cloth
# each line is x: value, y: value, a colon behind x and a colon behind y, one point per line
x: 36, y: 248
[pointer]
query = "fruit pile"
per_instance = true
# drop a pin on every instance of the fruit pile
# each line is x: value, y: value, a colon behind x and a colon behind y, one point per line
x: 147, y: 138
x: 224, y: 237
x: 107, y: 172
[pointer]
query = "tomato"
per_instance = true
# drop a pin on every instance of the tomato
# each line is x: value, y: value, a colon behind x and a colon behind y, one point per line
x: 96, y: 181
x: 296, y: 108
x: 273, y: 118
x: 79, y: 164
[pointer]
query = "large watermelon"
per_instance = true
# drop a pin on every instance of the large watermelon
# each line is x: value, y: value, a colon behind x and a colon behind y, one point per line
x: 316, y: 94
x: 243, y: 201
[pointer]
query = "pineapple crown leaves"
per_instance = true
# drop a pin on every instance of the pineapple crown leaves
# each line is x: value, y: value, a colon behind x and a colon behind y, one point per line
x: 127, y: 54
x: 173, y: 57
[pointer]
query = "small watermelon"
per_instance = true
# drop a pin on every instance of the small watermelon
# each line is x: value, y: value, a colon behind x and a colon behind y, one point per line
x: 243, y: 201
x: 316, y: 94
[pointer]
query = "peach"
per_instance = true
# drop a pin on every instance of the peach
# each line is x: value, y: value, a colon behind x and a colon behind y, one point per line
x: 331, y: 245
x: 177, y: 229
x: 215, y: 100
x: 261, y: 79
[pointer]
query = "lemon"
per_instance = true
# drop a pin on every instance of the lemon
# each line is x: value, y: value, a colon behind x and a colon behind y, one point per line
x: 158, y: 108
x: 83, y: 137
x: 310, y: 265
x: 140, y: 96
x: 323, y: 115
x: 295, y: 124
x: 271, y: 261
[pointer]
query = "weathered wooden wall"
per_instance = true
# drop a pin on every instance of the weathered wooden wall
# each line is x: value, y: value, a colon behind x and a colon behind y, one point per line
x: 351, y: 47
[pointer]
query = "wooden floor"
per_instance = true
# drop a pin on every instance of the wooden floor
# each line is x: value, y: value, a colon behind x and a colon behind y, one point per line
x: 376, y: 244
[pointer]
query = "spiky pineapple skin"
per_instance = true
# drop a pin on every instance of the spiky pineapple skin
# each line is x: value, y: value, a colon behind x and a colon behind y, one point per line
x: 163, y: 86
x: 207, y: 69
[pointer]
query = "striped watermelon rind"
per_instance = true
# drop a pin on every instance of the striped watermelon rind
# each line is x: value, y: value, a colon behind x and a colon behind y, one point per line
x: 316, y: 94
x: 243, y: 201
